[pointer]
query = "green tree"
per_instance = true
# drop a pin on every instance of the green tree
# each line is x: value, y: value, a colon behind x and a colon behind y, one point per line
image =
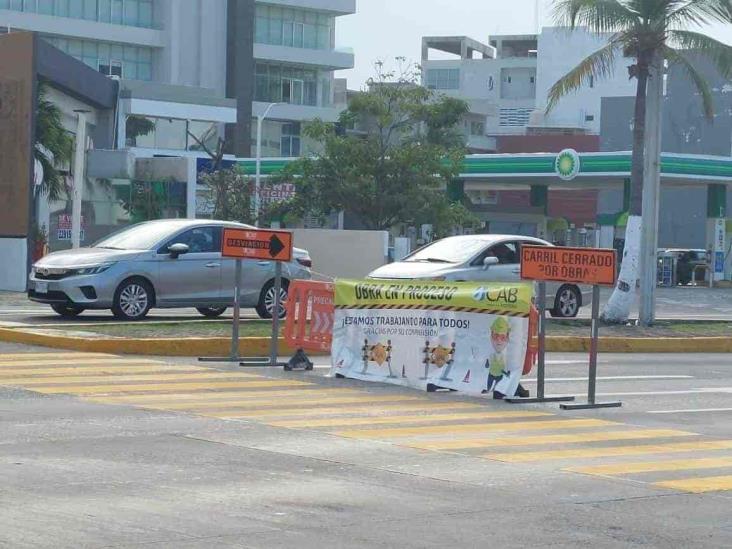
x: 54, y: 146
x: 393, y: 168
x: 651, y: 33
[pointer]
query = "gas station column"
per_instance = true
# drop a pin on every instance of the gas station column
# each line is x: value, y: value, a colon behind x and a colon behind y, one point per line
x: 717, y: 229
x: 539, y: 198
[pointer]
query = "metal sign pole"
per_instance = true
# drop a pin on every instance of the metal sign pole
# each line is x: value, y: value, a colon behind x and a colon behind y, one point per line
x: 541, y: 365
x: 592, y: 380
x: 276, y: 316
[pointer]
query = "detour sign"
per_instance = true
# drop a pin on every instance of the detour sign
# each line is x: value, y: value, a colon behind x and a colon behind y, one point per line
x: 593, y: 266
x: 257, y: 244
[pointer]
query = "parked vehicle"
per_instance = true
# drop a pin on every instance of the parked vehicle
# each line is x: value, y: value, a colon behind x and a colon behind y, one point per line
x: 167, y: 264
x: 481, y: 257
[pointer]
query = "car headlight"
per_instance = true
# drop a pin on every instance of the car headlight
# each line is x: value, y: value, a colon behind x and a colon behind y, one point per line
x: 91, y: 269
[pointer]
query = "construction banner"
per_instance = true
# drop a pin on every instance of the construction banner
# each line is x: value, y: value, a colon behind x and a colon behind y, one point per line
x: 467, y: 336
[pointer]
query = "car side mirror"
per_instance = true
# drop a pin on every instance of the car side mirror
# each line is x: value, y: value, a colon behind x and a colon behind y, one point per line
x: 488, y: 262
x: 177, y: 250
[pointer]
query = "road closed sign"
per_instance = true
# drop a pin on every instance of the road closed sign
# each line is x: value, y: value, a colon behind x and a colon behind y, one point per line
x: 257, y: 244
x: 593, y: 266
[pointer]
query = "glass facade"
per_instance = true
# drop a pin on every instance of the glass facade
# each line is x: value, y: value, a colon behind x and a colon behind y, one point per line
x: 171, y: 133
x: 131, y: 62
x: 294, y: 28
x: 443, y: 79
x: 133, y: 13
x: 286, y: 84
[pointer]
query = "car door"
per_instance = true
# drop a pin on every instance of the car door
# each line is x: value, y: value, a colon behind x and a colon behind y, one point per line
x: 193, y: 278
x: 507, y: 269
x: 255, y: 275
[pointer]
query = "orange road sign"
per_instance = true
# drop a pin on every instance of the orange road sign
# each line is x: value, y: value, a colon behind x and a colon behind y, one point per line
x: 257, y: 244
x: 595, y: 266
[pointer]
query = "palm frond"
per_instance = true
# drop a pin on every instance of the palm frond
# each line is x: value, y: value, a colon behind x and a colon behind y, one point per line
x: 598, y: 65
x: 598, y: 15
x: 676, y: 57
x: 700, y: 12
x: 717, y: 52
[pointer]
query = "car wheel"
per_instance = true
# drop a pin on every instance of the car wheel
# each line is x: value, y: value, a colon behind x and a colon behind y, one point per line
x: 211, y: 312
x: 567, y: 303
x: 133, y: 299
x: 67, y: 311
x: 266, y: 304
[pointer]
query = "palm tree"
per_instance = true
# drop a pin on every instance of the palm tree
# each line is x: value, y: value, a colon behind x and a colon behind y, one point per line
x: 54, y: 146
x: 651, y: 33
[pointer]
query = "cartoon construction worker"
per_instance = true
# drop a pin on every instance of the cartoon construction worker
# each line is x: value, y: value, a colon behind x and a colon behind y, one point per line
x: 496, y: 362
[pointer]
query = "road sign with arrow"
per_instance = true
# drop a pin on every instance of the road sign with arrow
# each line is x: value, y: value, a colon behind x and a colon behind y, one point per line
x: 257, y: 244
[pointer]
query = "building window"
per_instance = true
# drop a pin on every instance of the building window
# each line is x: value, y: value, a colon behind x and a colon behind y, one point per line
x: 477, y: 128
x: 131, y: 62
x: 170, y: 133
x: 443, y: 79
x: 285, y: 84
x: 491, y: 83
x: 134, y: 13
x: 290, y: 141
x: 592, y: 81
x: 294, y: 28
x: 514, y: 117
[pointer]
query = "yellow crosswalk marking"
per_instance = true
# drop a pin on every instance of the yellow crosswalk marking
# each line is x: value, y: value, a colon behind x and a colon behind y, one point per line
x: 465, y: 444
x: 13, y: 365
x: 112, y: 380
x: 319, y: 400
x: 653, y: 466
x: 427, y: 418
x: 488, y: 427
x: 184, y: 397
x: 699, y: 485
x: 580, y: 453
x: 153, y: 368
x: 420, y: 406
x: 165, y: 387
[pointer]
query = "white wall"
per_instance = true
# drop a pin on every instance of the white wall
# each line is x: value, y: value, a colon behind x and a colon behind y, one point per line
x: 559, y: 52
x: 344, y: 254
x: 13, y: 274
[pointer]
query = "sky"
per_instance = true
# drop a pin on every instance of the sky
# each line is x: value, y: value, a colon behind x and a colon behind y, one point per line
x: 384, y: 29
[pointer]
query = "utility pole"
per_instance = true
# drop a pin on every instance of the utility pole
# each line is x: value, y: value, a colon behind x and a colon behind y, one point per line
x: 79, y: 175
x: 651, y: 194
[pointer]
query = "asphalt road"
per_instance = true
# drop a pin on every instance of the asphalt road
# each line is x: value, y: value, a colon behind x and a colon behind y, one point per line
x: 102, y: 451
x: 672, y: 303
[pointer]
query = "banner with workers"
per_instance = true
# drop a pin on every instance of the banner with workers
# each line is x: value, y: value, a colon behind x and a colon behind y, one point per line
x: 467, y: 336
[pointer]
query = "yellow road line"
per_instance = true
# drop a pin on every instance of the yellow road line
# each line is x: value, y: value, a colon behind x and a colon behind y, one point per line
x: 319, y: 400
x: 488, y: 427
x: 181, y: 398
x: 580, y: 453
x: 653, y: 466
x: 165, y: 387
x: 341, y: 410
x: 427, y: 418
x: 112, y: 371
x: 465, y: 444
x: 113, y: 380
x: 698, y: 485
x: 14, y: 365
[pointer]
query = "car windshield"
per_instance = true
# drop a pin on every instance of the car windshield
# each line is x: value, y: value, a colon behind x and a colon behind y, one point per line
x: 449, y: 250
x: 138, y: 237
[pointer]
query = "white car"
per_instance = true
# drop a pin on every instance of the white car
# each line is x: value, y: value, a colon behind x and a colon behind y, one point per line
x: 489, y: 257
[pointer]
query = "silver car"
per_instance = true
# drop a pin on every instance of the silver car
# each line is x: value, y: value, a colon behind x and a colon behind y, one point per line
x: 481, y: 257
x: 167, y: 263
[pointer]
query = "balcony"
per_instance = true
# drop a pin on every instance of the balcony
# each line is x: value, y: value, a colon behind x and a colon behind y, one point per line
x: 323, y: 59
x: 337, y: 7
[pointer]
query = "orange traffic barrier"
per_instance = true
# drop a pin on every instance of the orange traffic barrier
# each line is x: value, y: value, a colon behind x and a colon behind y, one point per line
x: 310, y: 315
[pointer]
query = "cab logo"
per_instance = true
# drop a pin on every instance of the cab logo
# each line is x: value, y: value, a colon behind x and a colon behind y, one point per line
x: 503, y: 295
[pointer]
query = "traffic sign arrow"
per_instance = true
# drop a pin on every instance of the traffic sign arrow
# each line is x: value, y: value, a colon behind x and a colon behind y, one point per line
x: 275, y: 246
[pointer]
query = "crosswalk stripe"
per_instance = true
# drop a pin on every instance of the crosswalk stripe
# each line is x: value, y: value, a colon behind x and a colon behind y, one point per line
x: 184, y: 397
x: 580, y: 453
x: 698, y: 485
x: 467, y: 444
x: 165, y: 387
x: 488, y: 427
x: 254, y: 404
x: 110, y: 371
x: 82, y: 381
x: 80, y: 363
x: 653, y: 466
x: 340, y: 410
x: 427, y: 418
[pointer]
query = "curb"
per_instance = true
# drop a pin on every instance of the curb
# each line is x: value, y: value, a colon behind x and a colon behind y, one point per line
x: 259, y: 346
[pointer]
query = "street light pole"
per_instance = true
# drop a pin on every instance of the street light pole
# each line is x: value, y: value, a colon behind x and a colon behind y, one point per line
x: 258, y: 176
x: 79, y: 174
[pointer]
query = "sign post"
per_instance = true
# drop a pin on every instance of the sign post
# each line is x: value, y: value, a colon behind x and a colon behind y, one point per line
x: 589, y: 266
x: 263, y: 245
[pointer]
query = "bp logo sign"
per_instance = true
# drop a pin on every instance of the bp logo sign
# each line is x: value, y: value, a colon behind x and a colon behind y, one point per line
x: 567, y: 164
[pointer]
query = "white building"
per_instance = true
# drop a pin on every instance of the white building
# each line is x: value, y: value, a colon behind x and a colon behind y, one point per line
x: 507, y: 82
x: 184, y: 43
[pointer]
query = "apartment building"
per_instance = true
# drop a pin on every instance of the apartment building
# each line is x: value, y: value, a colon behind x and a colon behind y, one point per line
x: 174, y: 55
